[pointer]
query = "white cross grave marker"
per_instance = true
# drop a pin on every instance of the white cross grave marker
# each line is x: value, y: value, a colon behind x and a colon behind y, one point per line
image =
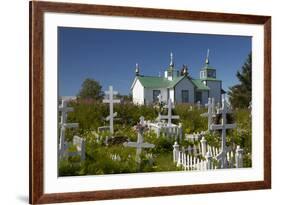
x: 63, y: 125
x: 139, y: 144
x: 223, y: 127
x: 110, y: 99
x: 168, y: 117
x: 211, y: 111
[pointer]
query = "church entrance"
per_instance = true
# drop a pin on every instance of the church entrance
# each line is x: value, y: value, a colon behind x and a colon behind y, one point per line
x: 198, y: 96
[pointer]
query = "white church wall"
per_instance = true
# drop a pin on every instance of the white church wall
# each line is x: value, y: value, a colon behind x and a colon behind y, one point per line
x: 172, y: 95
x: 215, y: 90
x: 138, y: 93
x: 184, y: 84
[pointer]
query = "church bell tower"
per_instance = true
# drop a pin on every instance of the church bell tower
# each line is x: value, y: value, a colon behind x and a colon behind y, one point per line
x: 171, y: 72
x: 207, y: 72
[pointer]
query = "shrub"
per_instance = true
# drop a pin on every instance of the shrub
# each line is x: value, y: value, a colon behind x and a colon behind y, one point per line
x: 91, y: 114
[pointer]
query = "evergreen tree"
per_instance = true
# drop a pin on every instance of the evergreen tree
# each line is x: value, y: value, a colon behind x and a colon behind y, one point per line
x: 91, y: 89
x: 240, y: 95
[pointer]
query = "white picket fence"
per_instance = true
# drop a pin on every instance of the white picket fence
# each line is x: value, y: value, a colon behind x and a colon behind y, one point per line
x: 194, y: 137
x: 162, y: 128
x: 190, y: 160
x: 193, y: 149
x: 230, y: 155
x: 214, y: 151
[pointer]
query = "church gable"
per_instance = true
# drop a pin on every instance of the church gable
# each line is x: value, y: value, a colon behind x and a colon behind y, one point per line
x: 184, y: 91
x: 137, y: 92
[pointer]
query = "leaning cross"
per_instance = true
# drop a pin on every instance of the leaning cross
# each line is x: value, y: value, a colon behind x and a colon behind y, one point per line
x: 139, y: 144
x: 110, y: 99
x: 223, y: 127
x: 63, y: 123
x: 168, y: 117
x: 211, y: 111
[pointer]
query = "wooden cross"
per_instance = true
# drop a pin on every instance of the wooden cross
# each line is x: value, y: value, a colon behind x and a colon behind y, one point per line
x: 139, y: 144
x: 168, y: 117
x: 211, y: 111
x: 110, y: 99
x: 63, y: 123
x: 223, y: 127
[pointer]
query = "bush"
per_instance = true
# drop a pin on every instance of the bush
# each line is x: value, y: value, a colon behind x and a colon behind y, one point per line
x: 91, y: 114
x: 191, y: 119
x: 69, y: 168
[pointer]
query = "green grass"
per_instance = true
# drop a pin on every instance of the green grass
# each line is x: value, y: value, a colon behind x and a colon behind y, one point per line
x: 98, y: 156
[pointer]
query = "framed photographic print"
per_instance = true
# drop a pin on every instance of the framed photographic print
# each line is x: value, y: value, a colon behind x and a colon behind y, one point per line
x: 135, y: 102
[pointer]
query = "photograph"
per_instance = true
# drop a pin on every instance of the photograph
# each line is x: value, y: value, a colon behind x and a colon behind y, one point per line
x: 133, y: 101
x: 129, y: 102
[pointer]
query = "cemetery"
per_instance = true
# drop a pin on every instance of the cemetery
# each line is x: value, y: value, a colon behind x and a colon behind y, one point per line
x: 111, y: 136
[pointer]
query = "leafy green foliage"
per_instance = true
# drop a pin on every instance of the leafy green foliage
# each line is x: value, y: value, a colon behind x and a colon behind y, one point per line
x: 162, y: 144
x: 191, y: 119
x: 243, y: 134
x: 91, y: 89
x: 241, y: 95
x: 91, y: 114
x: 69, y: 168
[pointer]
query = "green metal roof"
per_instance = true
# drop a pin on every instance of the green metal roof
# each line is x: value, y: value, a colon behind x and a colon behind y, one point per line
x: 210, y: 79
x: 200, y: 85
x: 162, y: 82
x: 175, y: 81
x: 158, y: 82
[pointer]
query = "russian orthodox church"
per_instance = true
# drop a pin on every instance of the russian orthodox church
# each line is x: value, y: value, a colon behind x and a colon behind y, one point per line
x: 177, y: 85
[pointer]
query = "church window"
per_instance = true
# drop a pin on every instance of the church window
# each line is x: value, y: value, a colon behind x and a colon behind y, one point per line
x: 211, y: 74
x: 202, y: 74
x: 156, y: 93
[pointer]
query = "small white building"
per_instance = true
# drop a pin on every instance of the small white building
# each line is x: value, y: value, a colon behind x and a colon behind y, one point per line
x: 177, y: 85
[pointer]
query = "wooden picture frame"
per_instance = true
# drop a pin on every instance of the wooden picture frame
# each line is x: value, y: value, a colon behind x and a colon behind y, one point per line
x: 37, y: 10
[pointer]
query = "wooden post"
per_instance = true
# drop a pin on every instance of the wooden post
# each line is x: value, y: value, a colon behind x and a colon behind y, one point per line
x: 239, y: 157
x: 203, y: 146
x: 176, y: 151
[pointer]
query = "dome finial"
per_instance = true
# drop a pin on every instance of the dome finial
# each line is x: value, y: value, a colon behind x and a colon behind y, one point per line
x: 171, y: 59
x: 207, y: 57
x: 137, y: 69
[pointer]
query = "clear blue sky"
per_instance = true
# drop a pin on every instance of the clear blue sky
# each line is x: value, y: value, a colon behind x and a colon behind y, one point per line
x: 109, y: 56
